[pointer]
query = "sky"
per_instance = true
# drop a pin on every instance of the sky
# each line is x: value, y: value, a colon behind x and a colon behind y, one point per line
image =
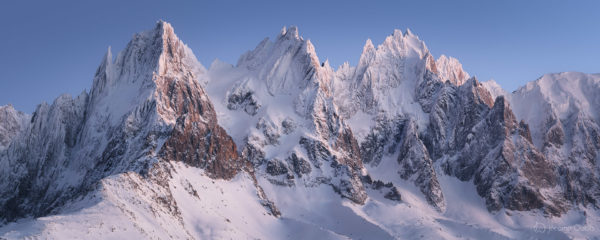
x: 52, y: 47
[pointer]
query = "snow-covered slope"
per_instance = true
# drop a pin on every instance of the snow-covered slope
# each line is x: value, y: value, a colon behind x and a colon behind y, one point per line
x: 282, y: 146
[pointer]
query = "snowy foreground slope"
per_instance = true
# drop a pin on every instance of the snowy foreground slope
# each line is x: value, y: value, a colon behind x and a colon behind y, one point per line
x: 283, y: 146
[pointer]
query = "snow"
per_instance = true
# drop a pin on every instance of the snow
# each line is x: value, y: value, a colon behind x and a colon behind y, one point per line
x: 124, y: 208
x: 229, y: 209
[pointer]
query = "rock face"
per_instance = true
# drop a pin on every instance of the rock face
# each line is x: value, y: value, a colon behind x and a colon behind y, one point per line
x: 145, y: 107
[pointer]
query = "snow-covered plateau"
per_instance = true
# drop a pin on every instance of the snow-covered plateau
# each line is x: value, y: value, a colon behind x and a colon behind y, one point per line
x: 283, y: 146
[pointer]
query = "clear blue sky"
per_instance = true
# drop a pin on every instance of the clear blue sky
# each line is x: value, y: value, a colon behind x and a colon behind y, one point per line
x: 54, y: 47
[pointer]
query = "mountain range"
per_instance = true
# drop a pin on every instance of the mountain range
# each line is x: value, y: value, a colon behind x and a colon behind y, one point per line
x: 283, y: 146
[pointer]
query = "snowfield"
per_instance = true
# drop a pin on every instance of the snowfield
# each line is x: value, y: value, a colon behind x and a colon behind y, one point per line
x: 230, y: 210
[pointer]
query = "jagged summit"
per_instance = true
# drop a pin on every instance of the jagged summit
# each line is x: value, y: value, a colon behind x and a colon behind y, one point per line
x: 285, y: 64
x: 384, y: 80
x: 290, y: 33
x: 148, y: 52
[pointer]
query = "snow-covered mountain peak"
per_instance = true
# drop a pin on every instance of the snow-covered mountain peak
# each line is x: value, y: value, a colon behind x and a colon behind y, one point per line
x: 397, y: 34
x: 403, y: 44
x: 286, y: 64
x: 384, y: 81
x: 290, y: 33
x: 8, y: 107
x: 288, y: 42
x: 133, y: 76
x: 367, y: 54
x: 368, y: 45
x: 450, y: 69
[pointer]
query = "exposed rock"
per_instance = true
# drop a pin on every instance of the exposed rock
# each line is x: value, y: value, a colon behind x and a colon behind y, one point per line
x: 388, y: 190
x: 299, y: 164
x: 276, y: 167
x: 270, y: 130
x: 288, y: 125
x: 393, y: 195
x: 243, y: 99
